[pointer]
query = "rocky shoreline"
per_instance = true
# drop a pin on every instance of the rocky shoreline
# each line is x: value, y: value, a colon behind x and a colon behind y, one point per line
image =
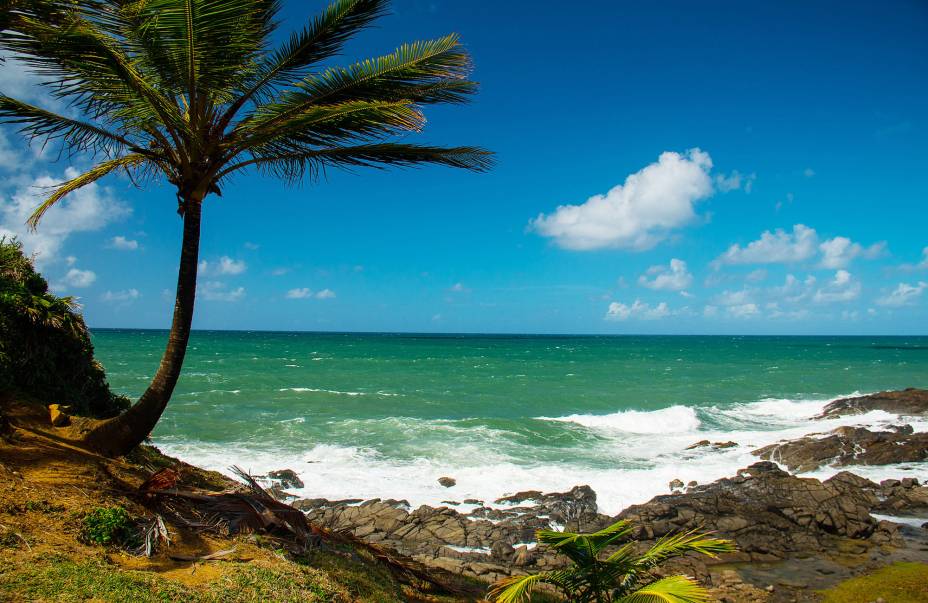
x: 793, y: 533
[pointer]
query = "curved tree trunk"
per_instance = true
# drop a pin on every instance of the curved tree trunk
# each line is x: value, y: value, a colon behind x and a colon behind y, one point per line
x: 119, y: 435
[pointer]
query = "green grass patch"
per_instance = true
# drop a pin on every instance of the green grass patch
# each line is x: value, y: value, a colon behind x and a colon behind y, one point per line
x: 57, y: 578
x: 897, y: 583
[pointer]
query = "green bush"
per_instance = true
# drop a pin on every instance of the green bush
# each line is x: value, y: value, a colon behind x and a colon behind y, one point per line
x: 109, y: 526
x: 45, y: 349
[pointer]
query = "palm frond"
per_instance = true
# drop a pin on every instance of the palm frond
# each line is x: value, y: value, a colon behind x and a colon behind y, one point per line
x: 675, y: 545
x: 515, y: 589
x: 423, y: 72
x: 35, y: 122
x: 673, y: 589
x: 320, y: 39
x: 293, y: 166
x: 92, y: 175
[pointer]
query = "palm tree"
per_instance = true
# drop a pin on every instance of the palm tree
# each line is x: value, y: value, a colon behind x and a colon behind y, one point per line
x: 622, y: 577
x: 191, y: 91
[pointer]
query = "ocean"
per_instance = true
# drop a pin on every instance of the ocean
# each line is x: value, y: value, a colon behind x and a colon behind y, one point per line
x: 386, y: 415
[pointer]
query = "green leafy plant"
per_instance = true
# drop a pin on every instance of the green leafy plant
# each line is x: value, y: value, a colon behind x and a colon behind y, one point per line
x: 109, y: 526
x: 624, y: 576
x: 193, y: 92
x: 45, y: 348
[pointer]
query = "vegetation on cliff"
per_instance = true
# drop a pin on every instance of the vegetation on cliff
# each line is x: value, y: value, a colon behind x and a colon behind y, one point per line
x: 45, y: 348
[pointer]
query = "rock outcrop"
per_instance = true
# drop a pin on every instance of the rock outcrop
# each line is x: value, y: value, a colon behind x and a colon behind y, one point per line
x: 849, y: 446
x: 910, y: 402
x: 769, y: 513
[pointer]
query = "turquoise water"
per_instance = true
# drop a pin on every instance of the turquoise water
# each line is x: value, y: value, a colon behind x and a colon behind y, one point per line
x: 386, y: 414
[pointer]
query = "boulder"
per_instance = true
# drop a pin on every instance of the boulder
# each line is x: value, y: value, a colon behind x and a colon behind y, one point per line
x: 447, y: 482
x: 713, y: 445
x: 848, y: 446
x: 286, y: 478
x: 906, y: 402
x: 676, y: 484
x: 768, y: 512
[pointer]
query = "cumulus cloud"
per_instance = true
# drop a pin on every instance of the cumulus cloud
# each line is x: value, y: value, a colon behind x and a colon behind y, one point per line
x: 903, y: 295
x: 126, y: 295
x: 223, y: 266
x: 840, y: 251
x: 922, y: 265
x: 777, y: 247
x: 618, y: 311
x: 734, y: 181
x: 743, y: 310
x: 88, y: 209
x: 785, y: 247
x: 670, y: 278
x: 80, y: 278
x: 122, y: 243
x: 219, y: 291
x: 637, y: 214
x: 842, y: 288
x: 306, y: 292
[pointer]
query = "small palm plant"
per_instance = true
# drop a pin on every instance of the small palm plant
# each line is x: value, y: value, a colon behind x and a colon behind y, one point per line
x: 622, y: 577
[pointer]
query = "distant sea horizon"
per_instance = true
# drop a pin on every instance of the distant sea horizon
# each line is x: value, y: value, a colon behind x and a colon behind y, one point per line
x: 365, y: 415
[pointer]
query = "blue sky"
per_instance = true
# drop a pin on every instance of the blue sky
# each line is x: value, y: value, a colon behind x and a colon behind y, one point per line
x: 673, y: 167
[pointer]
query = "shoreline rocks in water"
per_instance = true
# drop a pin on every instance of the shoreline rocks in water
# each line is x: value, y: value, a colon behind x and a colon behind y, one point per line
x: 807, y: 527
x: 907, y: 402
x: 849, y: 446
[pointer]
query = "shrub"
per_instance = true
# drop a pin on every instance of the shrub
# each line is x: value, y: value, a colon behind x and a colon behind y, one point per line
x: 109, y: 526
x: 45, y: 348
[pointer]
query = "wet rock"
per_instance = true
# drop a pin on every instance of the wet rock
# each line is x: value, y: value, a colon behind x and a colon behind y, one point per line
x: 848, y: 446
x: 713, y: 445
x: 447, y: 482
x: 472, y: 501
x: 287, y: 478
x: 676, y: 484
x: 768, y: 512
x: 906, y: 402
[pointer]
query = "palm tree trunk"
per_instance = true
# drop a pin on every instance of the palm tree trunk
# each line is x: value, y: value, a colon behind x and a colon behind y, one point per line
x: 119, y: 435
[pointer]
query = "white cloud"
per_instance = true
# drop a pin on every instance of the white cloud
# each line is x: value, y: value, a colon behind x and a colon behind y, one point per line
x: 223, y: 266
x: 710, y: 311
x: 458, y: 288
x: 124, y: 244
x: 619, y: 311
x: 87, y: 209
x: 903, y: 295
x: 306, y: 292
x: 121, y: 296
x: 299, y: 293
x: 842, y: 288
x: 922, y: 265
x: 777, y: 247
x: 755, y: 276
x: 743, y: 310
x: 279, y: 271
x: 673, y: 278
x: 251, y: 246
x: 637, y: 214
x: 219, y: 291
x: 79, y: 278
x: 734, y: 181
x: 840, y: 251
x: 808, y: 172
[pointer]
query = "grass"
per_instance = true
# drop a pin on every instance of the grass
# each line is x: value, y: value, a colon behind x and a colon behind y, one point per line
x: 61, y: 578
x: 897, y: 583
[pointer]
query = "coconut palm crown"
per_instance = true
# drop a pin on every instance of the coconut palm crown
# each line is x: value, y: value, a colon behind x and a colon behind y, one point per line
x: 192, y: 92
x: 624, y: 576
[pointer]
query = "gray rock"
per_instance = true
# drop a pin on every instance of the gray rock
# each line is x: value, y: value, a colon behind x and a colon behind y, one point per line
x: 906, y: 402
x: 447, y: 482
x: 287, y: 478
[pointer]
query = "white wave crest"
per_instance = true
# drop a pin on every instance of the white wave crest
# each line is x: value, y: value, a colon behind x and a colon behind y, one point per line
x: 674, y: 419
